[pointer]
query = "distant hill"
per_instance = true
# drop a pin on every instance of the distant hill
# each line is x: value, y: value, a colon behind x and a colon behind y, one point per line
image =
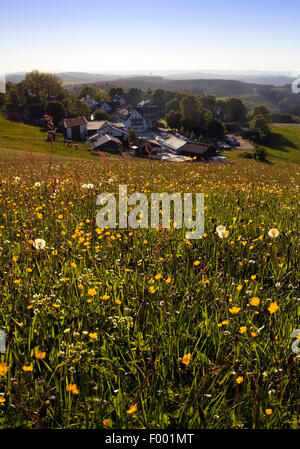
x: 276, y: 98
x: 217, y: 87
x: 276, y: 80
x: 69, y: 77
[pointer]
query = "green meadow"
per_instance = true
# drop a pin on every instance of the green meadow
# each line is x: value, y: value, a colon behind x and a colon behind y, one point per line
x: 122, y: 328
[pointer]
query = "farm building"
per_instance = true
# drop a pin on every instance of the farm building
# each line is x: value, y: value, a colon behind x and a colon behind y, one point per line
x: 198, y: 151
x: 106, y: 143
x: 106, y: 127
x: 75, y: 128
x: 147, y: 148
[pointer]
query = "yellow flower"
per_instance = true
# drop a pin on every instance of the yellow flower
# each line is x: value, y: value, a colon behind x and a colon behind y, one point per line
x: 239, y: 288
x: 17, y: 281
x: 239, y: 379
x: 273, y: 307
x: 158, y: 276
x: 254, y: 301
x: 117, y: 301
x: 27, y: 368
x: 253, y: 277
x: 80, y: 287
x: 73, y: 265
x: 29, y: 270
x: 93, y: 335
x: 196, y: 263
x: 105, y: 297
x: 253, y: 334
x: 151, y: 290
x: 73, y: 388
x: 2, y: 399
x: 3, y: 369
x: 234, y: 310
x: 92, y: 291
x: 54, y: 252
x: 106, y: 422
x: 269, y: 411
x: 40, y: 354
x: 186, y: 359
x: 132, y: 409
x: 243, y: 329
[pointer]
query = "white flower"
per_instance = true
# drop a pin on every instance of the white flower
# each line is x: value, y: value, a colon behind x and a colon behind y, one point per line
x: 37, y: 184
x: 220, y: 228
x: 110, y: 180
x: 273, y: 233
x: 87, y: 186
x: 223, y: 234
x: 84, y: 186
x: 39, y: 244
x: 17, y: 178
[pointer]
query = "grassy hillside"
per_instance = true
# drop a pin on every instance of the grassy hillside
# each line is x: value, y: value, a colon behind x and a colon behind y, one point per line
x: 285, y: 143
x: 18, y: 136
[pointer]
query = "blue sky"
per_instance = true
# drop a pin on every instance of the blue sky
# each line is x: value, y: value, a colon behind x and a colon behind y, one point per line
x: 129, y: 35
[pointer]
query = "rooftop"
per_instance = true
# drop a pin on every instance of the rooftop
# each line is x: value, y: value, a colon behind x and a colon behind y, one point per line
x: 70, y: 122
x: 174, y: 142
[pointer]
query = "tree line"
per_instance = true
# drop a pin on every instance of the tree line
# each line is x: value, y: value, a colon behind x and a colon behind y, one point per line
x: 194, y: 115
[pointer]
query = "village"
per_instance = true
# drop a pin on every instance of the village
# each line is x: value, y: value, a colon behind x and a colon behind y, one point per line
x: 134, y: 131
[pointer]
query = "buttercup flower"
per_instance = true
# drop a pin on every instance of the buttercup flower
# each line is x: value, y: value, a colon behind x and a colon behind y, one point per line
x: 73, y: 388
x: 3, y: 369
x: 40, y: 354
x: 254, y: 301
x: 132, y: 409
x: 273, y: 307
x: 234, y: 310
x: 186, y: 359
x: 26, y: 368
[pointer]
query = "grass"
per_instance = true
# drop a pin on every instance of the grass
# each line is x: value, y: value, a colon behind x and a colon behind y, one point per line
x: 130, y: 329
x: 284, y: 145
x: 21, y: 137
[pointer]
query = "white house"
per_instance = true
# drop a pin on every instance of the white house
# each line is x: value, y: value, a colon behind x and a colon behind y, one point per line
x: 136, y: 122
x: 76, y: 128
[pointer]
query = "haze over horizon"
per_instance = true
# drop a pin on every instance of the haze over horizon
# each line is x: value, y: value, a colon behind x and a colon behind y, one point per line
x: 136, y: 37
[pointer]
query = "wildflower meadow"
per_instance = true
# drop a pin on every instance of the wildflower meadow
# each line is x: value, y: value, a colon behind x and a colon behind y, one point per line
x: 143, y: 328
